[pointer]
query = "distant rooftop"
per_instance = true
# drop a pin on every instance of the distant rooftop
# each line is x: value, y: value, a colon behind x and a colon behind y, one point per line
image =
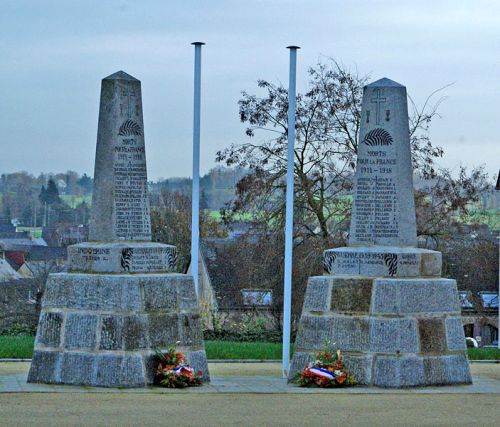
x: 489, y: 299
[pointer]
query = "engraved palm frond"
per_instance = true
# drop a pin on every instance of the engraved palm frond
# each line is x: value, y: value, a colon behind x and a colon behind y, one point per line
x: 377, y: 137
x: 126, y: 258
x: 391, y: 262
x: 129, y: 128
x: 172, y: 258
x: 328, y: 261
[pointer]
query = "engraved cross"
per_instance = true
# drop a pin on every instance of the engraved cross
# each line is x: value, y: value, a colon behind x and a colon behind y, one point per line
x: 129, y: 93
x: 378, y: 101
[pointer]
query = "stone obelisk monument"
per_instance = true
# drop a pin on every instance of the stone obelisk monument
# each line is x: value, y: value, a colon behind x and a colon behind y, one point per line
x: 382, y: 301
x: 119, y: 302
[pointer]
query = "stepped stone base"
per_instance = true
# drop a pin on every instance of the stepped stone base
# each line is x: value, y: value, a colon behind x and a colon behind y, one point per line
x: 103, y: 330
x: 392, y: 332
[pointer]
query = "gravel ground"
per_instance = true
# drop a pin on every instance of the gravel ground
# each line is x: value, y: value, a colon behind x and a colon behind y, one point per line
x: 209, y: 409
x: 247, y: 410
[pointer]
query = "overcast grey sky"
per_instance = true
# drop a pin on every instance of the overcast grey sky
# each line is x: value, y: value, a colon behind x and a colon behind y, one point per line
x: 54, y: 54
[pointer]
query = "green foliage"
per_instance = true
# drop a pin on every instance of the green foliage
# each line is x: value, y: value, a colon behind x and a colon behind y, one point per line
x: 73, y: 201
x: 86, y: 183
x: 17, y: 347
x: 49, y: 195
x: 249, y: 329
x: 35, y: 232
x: 244, y: 350
x: 490, y: 217
x: 244, y: 216
x: 17, y: 329
x: 484, y: 353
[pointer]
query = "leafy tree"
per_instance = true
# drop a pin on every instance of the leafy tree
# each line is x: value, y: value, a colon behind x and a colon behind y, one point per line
x: 85, y: 182
x: 49, y: 195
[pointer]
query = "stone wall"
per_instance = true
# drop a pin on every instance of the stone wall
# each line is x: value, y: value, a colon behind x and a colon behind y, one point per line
x: 18, y: 306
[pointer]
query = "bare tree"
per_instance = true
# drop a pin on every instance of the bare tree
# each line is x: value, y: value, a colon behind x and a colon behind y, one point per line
x: 327, y: 134
x: 171, y: 224
x: 327, y: 129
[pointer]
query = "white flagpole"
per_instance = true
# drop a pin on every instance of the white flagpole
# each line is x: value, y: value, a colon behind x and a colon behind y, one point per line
x: 287, y: 293
x: 195, y: 198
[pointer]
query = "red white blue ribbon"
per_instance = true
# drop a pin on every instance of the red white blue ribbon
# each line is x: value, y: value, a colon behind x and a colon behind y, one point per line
x: 181, y: 369
x: 322, y: 373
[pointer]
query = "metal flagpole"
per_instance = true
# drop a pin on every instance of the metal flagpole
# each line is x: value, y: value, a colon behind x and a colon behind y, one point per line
x: 195, y: 198
x: 287, y: 294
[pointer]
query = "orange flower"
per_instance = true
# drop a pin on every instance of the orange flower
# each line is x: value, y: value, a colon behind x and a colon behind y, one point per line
x: 340, y: 379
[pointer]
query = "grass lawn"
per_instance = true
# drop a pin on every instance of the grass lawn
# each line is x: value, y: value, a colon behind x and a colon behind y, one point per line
x: 484, y: 353
x: 21, y: 347
x: 73, y: 201
x: 16, y: 347
x: 242, y: 350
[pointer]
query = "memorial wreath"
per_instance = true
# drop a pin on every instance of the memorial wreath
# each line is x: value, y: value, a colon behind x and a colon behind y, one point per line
x: 326, y: 371
x: 173, y: 372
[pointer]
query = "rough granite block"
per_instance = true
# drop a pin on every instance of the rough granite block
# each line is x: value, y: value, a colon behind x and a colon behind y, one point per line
x: 190, y: 330
x: 135, y: 334
x: 398, y: 371
x: 299, y: 361
x: 159, y: 294
x: 186, y: 292
x: 314, y: 332
x: 150, y: 364
x: 455, y: 336
x: 350, y: 333
x: 49, y: 330
x: 119, y: 371
x: 432, y: 335
x: 107, y: 295
x: 317, y: 297
x: 92, y: 292
x: 360, y: 367
x: 443, y: 370
x: 163, y: 330
x: 198, y: 361
x: 77, y: 368
x: 80, y: 331
x: 118, y: 292
x: 352, y: 296
x: 392, y: 335
x: 45, y: 367
x: 54, y: 289
x: 410, y: 296
x: 111, y: 332
x: 131, y: 299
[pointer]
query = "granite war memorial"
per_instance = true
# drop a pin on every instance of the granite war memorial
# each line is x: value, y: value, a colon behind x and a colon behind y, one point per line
x: 382, y: 301
x: 120, y: 301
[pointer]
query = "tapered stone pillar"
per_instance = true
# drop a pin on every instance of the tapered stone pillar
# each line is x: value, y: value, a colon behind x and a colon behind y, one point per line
x: 119, y: 302
x: 383, y: 301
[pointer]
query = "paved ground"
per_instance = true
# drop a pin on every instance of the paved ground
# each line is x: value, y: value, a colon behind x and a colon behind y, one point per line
x: 236, y: 396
